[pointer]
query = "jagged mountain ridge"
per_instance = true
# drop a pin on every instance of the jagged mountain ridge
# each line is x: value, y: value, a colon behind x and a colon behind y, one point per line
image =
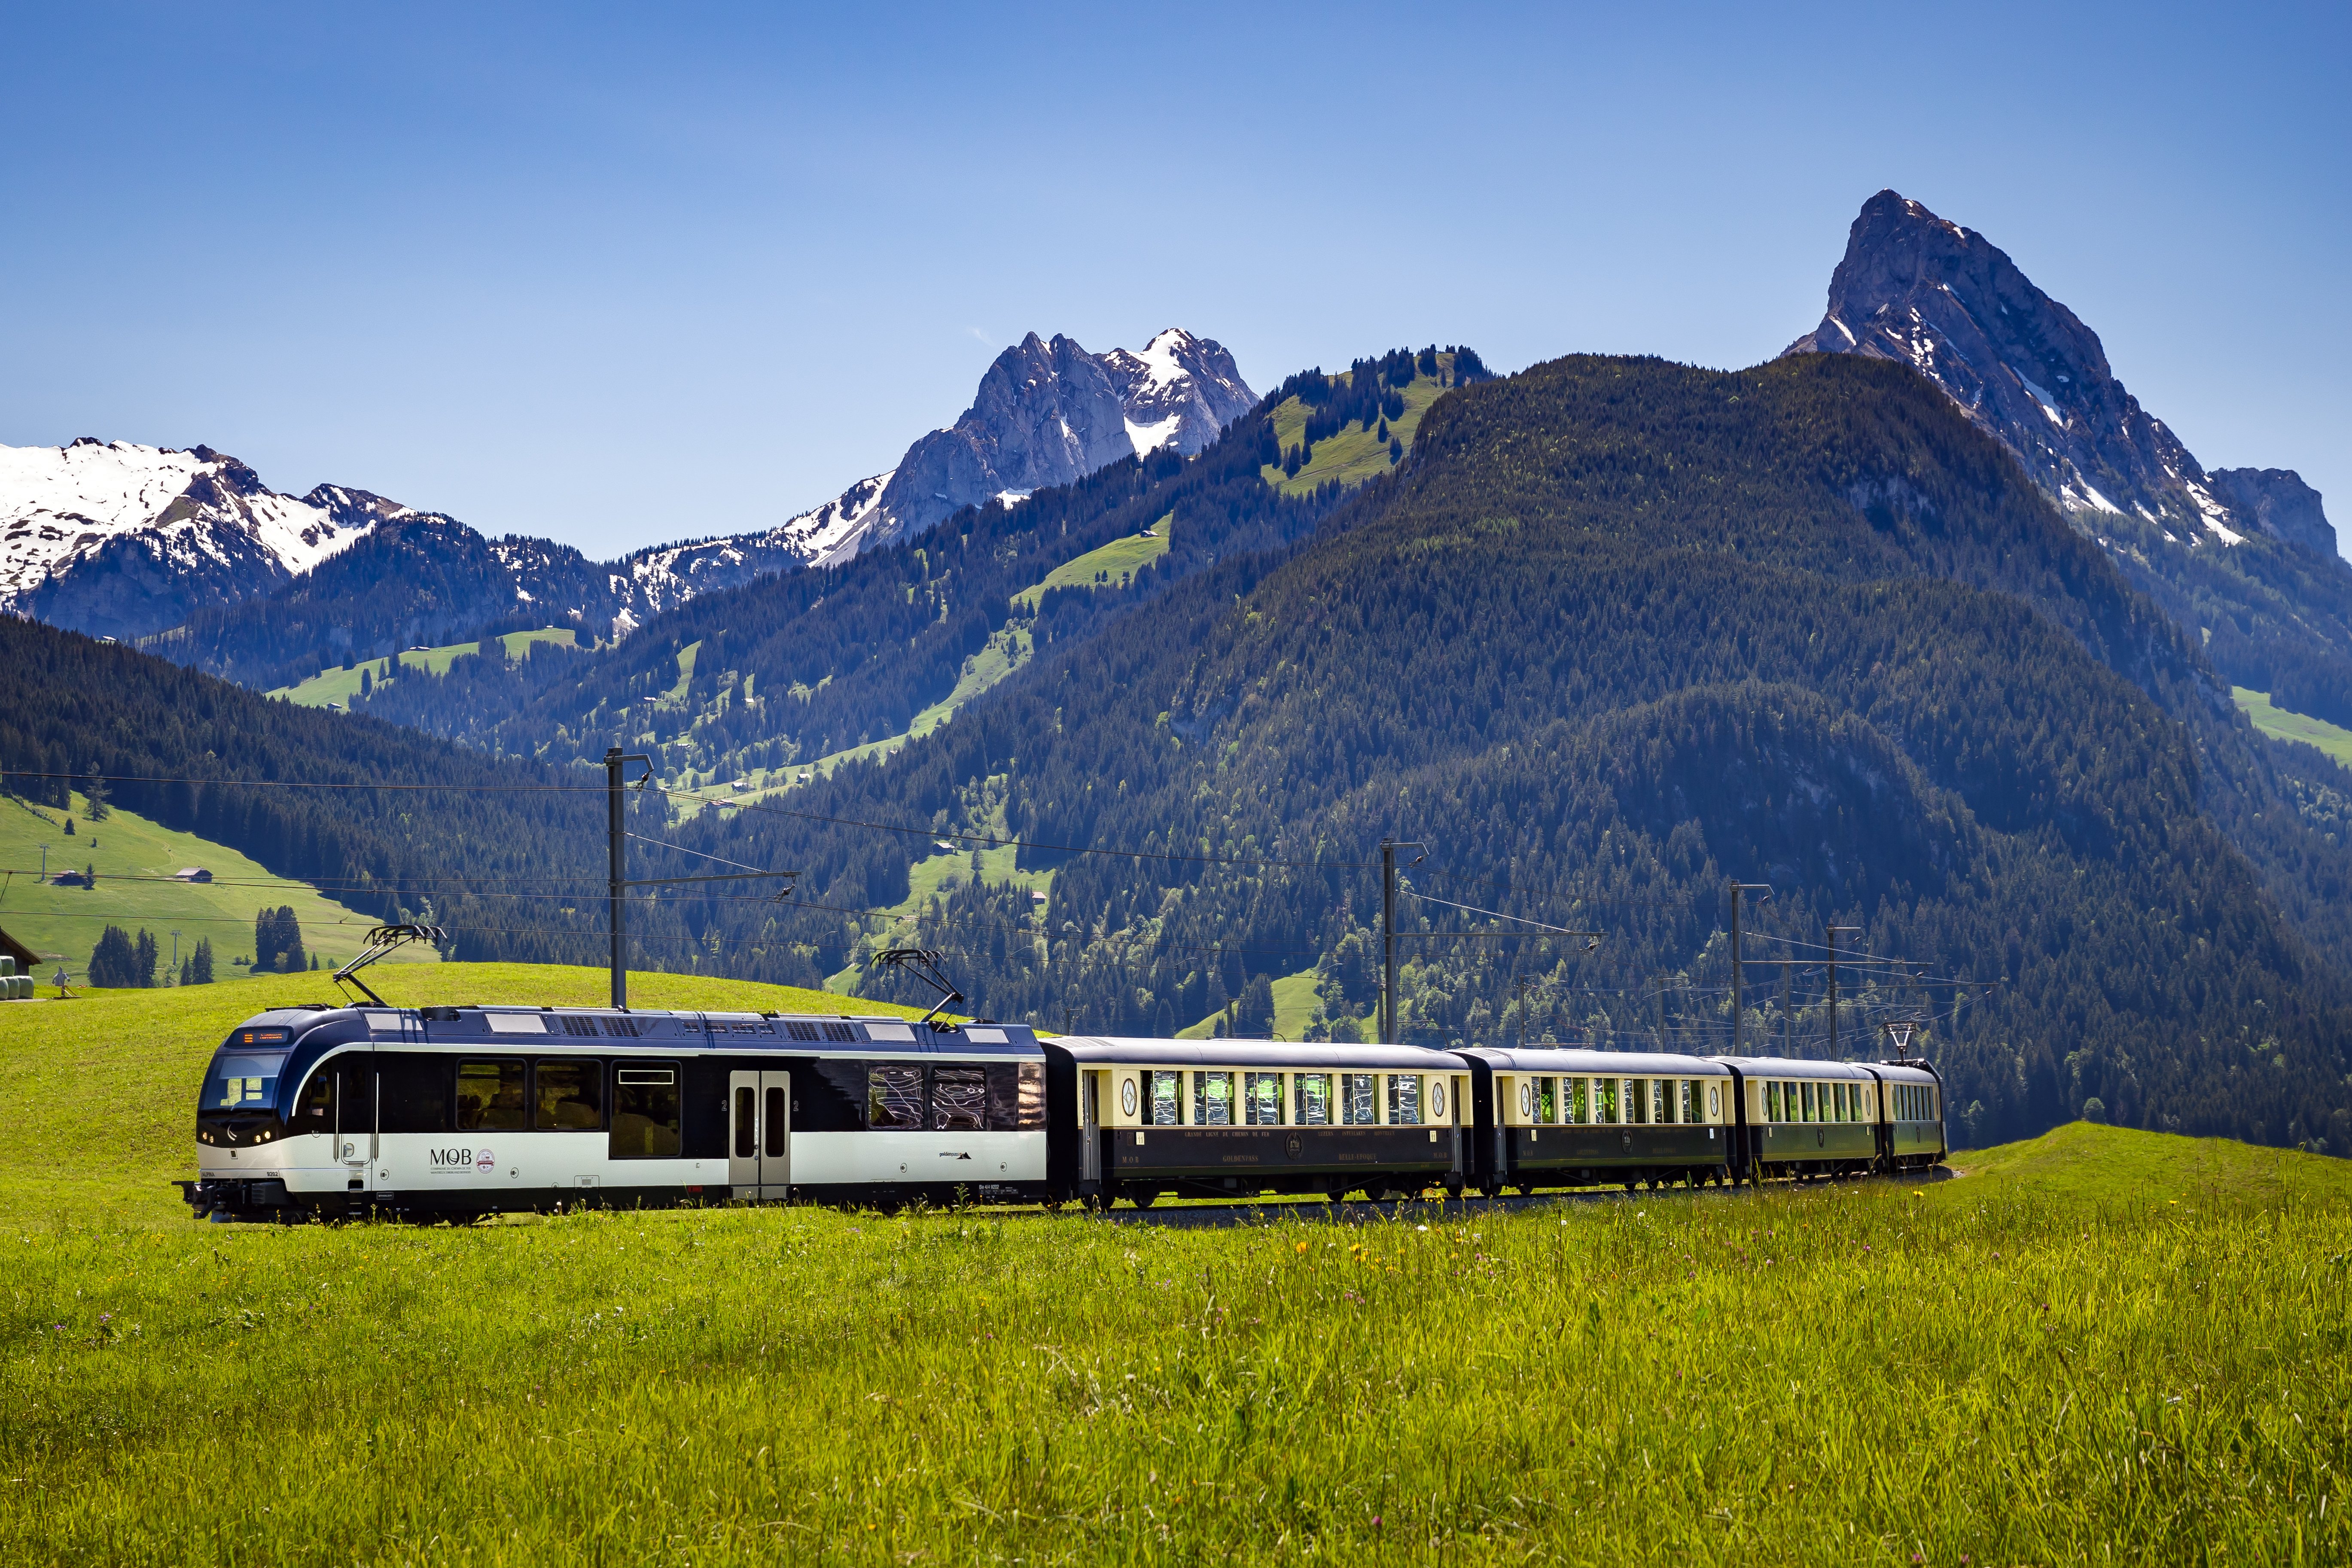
x: 193, y: 553
x: 2244, y: 559
x: 120, y: 540
x: 1048, y: 413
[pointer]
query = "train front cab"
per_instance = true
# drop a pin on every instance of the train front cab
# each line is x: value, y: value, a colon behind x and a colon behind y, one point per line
x: 1216, y: 1119
x: 1549, y: 1117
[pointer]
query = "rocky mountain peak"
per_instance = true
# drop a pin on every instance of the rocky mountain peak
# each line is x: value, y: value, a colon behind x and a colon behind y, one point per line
x: 1048, y: 412
x: 1942, y: 297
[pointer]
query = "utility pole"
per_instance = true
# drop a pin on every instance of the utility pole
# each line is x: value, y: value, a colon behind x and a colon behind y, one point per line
x: 1523, y: 1012
x: 1787, y: 1017
x: 1389, y: 846
x: 616, y: 827
x: 1833, y: 1000
x: 1661, y: 1012
x: 1739, y: 974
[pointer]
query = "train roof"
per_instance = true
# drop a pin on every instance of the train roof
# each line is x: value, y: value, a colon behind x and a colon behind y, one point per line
x: 1798, y: 1066
x: 1604, y: 1064
x: 522, y: 1027
x: 1269, y: 1053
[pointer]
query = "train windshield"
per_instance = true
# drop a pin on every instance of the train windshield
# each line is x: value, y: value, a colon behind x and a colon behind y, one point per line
x: 242, y: 1080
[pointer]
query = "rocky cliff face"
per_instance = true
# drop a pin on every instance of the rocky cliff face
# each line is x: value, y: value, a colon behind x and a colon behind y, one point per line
x: 1947, y: 301
x: 2243, y: 558
x: 1049, y: 413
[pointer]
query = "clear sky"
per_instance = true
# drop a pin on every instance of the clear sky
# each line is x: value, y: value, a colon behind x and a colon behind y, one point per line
x: 619, y: 275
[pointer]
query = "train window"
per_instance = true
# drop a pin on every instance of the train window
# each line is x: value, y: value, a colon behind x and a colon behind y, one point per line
x: 1579, y: 1108
x: 959, y: 1100
x: 1637, y: 1101
x: 1805, y: 1099
x: 1213, y: 1099
x: 644, y: 1114
x: 1604, y: 1101
x: 489, y: 1096
x: 1547, y: 1100
x: 1359, y: 1098
x: 894, y: 1099
x: 570, y: 1096
x: 1662, y: 1101
x: 1163, y: 1099
x: 248, y: 1078
x: 1310, y: 1094
x: 1029, y: 1098
x: 317, y: 1099
x: 747, y: 1123
x: 1262, y: 1099
x: 414, y: 1093
x: 1771, y: 1101
x: 1404, y: 1100
x: 1689, y: 1096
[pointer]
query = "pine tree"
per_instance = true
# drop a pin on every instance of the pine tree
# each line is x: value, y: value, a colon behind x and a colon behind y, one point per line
x: 1254, y: 1014
x: 144, y: 958
x: 96, y: 790
x: 367, y: 683
x: 1396, y: 450
x: 70, y: 827
x: 200, y: 965
x: 113, y: 962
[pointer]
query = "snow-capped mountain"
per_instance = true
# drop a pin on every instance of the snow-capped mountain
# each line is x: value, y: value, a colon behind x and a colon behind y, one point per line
x: 1947, y: 301
x: 120, y: 540
x: 1048, y: 413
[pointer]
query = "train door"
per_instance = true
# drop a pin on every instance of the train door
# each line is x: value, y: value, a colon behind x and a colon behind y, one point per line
x: 1090, y: 1165
x: 355, y: 1120
x: 760, y: 1134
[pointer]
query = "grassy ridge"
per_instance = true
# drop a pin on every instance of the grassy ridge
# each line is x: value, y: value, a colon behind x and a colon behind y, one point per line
x: 336, y: 684
x: 2282, y: 724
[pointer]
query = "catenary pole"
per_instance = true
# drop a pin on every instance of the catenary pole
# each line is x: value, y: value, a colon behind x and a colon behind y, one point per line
x: 1388, y: 943
x: 1834, y: 997
x: 616, y: 831
x: 1739, y: 890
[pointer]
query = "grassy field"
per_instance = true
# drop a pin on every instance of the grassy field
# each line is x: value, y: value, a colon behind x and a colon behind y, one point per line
x: 2103, y: 1346
x: 2335, y: 741
x: 68, y: 920
x: 1356, y: 454
x: 336, y: 684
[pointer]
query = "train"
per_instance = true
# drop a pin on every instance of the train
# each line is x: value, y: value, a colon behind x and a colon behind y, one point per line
x: 461, y: 1111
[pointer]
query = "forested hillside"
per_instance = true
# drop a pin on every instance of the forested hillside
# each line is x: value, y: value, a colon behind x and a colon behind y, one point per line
x: 509, y: 857
x: 1621, y: 631
x: 792, y: 669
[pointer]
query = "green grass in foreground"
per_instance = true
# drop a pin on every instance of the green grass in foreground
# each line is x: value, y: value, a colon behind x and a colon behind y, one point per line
x: 336, y: 684
x: 1975, y: 1373
x: 68, y: 920
x: 2280, y: 724
x: 105, y: 1086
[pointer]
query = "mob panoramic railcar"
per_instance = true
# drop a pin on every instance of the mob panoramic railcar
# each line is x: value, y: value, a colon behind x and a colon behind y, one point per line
x: 474, y: 1109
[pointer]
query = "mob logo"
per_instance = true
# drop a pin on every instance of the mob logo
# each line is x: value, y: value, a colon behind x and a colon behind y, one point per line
x: 457, y: 1162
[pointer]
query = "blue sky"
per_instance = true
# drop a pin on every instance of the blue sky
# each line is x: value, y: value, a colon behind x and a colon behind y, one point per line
x: 618, y: 275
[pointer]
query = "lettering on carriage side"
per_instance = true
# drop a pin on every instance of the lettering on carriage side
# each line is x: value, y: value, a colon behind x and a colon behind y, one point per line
x: 461, y: 1162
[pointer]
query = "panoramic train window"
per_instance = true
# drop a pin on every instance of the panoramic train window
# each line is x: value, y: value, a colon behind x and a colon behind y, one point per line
x: 413, y: 1093
x: 959, y: 1100
x: 644, y: 1114
x: 1262, y: 1099
x: 1163, y: 1099
x: 569, y: 1097
x: 1404, y: 1100
x: 489, y: 1096
x: 1359, y: 1098
x: 894, y: 1099
x: 1213, y: 1099
x: 1311, y: 1100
